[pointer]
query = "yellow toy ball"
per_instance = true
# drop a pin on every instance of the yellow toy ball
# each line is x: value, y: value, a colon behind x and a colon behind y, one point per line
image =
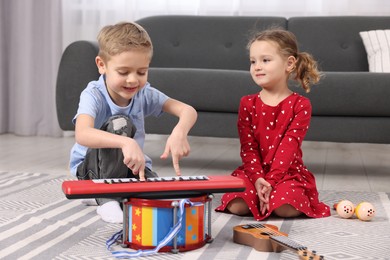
x: 345, y: 209
x: 365, y: 211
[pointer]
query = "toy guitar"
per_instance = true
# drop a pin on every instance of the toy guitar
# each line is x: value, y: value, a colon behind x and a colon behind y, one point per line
x: 267, y: 238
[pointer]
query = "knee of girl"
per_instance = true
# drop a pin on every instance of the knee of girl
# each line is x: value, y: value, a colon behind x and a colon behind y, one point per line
x: 287, y: 211
x: 238, y: 207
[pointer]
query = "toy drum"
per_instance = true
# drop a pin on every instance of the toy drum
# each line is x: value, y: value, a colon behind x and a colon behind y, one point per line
x: 148, y: 221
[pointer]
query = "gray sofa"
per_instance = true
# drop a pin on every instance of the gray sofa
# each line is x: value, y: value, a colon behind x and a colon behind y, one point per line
x: 202, y: 60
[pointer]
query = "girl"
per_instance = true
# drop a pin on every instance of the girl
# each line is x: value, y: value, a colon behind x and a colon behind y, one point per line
x: 271, y: 126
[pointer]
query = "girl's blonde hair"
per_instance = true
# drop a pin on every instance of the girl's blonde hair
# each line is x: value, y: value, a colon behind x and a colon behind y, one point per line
x: 121, y: 37
x: 306, y: 70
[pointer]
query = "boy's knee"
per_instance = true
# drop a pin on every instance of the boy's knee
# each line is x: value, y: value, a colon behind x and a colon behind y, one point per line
x: 120, y: 125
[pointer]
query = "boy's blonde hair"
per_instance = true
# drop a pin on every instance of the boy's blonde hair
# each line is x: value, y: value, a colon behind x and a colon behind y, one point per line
x: 306, y: 71
x: 121, y: 37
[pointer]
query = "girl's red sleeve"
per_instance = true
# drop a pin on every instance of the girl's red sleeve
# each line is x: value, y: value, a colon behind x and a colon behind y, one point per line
x: 250, y: 154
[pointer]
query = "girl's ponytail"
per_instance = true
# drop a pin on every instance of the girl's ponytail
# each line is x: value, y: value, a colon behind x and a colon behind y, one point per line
x: 306, y: 72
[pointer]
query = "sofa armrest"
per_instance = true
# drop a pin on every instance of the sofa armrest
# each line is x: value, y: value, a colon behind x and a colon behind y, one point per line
x: 77, y: 68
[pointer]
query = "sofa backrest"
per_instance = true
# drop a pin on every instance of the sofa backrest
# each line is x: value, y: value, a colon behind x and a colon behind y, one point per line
x: 335, y: 41
x: 216, y: 42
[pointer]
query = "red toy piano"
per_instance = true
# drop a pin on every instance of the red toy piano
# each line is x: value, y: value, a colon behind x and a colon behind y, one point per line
x: 158, y: 187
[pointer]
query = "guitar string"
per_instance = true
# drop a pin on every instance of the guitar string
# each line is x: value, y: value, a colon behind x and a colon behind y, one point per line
x: 272, y: 232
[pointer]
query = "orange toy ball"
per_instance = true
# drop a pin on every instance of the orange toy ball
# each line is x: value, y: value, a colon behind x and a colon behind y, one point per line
x: 345, y: 208
x: 365, y: 211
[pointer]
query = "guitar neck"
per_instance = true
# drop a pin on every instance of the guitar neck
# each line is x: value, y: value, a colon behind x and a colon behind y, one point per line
x: 288, y: 243
x: 302, y: 250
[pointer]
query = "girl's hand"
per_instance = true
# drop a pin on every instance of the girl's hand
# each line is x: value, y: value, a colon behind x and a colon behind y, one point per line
x: 263, y: 189
x: 134, y: 158
x: 177, y: 145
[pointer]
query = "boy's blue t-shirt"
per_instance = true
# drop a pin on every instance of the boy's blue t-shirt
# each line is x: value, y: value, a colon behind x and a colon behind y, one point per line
x: 96, y: 102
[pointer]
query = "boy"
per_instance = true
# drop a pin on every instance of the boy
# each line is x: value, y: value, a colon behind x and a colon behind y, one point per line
x: 109, y: 124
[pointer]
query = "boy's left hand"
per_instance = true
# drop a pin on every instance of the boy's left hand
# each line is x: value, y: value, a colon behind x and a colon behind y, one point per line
x: 177, y: 145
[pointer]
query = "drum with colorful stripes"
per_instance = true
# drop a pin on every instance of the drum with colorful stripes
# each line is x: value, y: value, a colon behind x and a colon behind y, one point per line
x: 148, y: 221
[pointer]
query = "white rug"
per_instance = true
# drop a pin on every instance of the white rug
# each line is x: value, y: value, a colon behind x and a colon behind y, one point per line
x: 38, y: 222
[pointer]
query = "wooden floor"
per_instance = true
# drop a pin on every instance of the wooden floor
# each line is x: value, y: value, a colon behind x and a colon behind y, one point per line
x: 337, y: 166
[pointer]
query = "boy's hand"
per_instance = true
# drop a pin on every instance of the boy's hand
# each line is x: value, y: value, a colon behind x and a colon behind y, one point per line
x: 179, y: 147
x: 134, y: 158
x: 142, y: 175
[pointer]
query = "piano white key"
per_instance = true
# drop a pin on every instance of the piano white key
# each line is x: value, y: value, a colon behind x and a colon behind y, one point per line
x: 153, y: 179
x: 98, y: 180
x: 117, y: 180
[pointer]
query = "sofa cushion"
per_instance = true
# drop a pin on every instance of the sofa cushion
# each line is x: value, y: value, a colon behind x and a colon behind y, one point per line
x: 216, y: 42
x: 377, y: 45
x: 335, y: 41
x: 350, y: 129
x: 362, y: 94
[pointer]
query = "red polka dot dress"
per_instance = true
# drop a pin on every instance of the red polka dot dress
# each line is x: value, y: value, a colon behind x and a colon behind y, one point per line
x: 271, y: 138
